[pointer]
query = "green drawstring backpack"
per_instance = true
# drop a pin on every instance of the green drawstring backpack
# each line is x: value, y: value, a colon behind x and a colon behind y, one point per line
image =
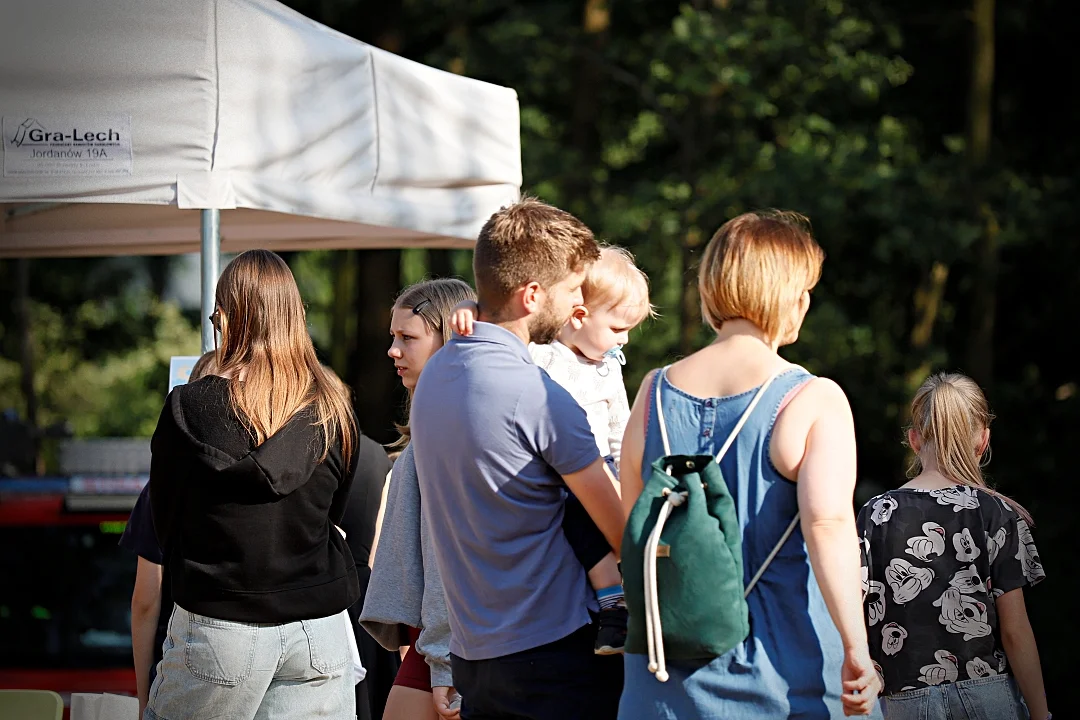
x: 682, y: 558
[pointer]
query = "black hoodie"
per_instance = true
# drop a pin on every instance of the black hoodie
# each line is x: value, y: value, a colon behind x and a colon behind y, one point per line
x: 248, y: 532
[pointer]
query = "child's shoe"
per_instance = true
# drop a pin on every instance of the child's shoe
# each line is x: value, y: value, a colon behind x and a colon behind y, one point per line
x: 611, y: 635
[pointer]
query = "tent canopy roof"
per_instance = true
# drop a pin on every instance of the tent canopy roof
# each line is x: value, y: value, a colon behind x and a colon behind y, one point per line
x: 308, y: 137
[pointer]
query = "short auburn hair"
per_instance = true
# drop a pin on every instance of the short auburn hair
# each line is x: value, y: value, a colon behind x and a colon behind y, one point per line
x: 756, y: 266
x: 529, y: 241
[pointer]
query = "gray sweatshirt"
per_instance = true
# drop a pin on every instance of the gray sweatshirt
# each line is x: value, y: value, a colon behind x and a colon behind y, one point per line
x: 405, y: 587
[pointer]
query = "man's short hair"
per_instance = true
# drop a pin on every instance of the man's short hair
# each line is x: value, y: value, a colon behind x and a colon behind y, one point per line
x: 529, y: 241
x: 756, y: 266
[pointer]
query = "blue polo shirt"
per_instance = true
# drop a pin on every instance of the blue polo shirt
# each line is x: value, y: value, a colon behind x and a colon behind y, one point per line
x: 492, y: 435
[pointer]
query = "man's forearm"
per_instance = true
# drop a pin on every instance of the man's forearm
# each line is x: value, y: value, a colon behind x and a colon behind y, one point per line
x: 605, y: 507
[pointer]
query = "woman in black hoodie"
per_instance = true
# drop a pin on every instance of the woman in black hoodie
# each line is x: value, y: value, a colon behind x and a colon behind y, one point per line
x: 251, y: 469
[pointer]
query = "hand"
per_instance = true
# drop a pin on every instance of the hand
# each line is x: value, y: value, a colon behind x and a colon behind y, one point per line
x: 462, y: 317
x: 861, y: 682
x: 447, y: 702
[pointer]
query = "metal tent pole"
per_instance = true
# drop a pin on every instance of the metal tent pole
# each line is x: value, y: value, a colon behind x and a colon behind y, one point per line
x: 210, y: 259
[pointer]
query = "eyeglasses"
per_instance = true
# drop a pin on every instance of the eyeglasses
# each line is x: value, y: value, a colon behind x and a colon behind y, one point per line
x: 215, y: 322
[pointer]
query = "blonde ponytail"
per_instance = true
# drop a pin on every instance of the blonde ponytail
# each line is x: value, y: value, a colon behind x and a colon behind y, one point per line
x: 948, y: 411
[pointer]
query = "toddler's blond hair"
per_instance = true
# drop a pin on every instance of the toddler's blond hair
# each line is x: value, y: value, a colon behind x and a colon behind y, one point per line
x: 614, y: 281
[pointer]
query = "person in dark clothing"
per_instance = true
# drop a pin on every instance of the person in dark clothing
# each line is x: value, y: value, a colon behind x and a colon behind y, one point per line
x: 361, y: 512
x: 359, y: 523
x: 250, y: 471
x: 151, y: 600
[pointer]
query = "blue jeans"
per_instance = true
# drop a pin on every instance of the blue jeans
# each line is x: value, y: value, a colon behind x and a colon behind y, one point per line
x: 226, y: 669
x: 989, y: 698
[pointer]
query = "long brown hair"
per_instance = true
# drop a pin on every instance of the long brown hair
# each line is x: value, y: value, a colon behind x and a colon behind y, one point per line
x: 264, y: 334
x: 432, y: 300
x: 948, y: 411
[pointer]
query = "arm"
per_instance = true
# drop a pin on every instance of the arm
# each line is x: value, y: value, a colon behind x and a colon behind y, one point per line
x: 397, y: 574
x: 434, y: 645
x: 463, y: 316
x: 379, y: 520
x: 618, y: 415
x: 145, y: 608
x: 595, y: 488
x: 165, y: 505
x: 558, y: 431
x: 349, y: 469
x: 363, y: 503
x: 826, y: 486
x: 633, y: 447
x: 1020, y: 649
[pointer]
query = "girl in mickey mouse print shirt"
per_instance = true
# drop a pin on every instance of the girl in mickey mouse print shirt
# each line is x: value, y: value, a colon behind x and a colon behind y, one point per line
x: 945, y: 560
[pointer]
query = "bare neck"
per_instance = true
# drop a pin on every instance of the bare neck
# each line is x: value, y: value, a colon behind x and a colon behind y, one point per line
x: 740, y: 330
x: 930, y: 478
x: 517, y: 326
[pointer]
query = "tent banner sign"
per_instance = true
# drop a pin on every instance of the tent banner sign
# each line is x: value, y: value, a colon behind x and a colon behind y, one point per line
x: 67, y: 146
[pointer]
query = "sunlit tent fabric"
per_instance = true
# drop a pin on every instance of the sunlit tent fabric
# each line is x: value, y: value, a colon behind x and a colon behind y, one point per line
x: 146, y: 111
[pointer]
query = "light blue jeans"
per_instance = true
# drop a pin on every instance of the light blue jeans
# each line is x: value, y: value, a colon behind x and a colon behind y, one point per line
x: 988, y: 698
x: 253, y: 671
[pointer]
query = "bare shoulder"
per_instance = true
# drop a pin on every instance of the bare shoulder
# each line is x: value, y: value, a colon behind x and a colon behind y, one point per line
x: 647, y: 381
x: 646, y: 386
x: 820, y: 403
x: 818, y: 397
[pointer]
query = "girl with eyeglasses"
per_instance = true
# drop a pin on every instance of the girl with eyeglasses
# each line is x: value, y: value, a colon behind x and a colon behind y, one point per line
x: 250, y: 471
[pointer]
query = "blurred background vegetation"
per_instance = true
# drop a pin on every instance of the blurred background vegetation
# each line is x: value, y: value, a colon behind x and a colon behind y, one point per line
x: 932, y: 144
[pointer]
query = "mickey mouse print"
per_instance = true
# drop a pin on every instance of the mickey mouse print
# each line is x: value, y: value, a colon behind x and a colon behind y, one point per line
x: 934, y: 562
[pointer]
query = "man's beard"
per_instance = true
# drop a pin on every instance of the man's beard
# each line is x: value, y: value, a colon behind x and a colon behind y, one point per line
x: 545, y: 326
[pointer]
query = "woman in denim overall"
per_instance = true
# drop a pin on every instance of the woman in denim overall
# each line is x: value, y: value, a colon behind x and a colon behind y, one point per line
x: 806, y: 655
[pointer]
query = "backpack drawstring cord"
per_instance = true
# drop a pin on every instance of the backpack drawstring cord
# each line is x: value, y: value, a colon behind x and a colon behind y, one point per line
x: 654, y: 633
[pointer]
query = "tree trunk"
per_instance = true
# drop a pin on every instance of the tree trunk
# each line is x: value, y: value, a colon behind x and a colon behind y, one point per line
x: 980, y: 351
x: 440, y: 263
x: 158, y: 267
x: 342, y: 329
x: 584, y: 130
x: 927, y: 302
x: 690, y: 305
x: 371, y: 374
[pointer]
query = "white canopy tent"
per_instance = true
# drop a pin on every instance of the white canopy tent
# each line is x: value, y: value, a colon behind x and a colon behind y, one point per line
x: 128, y: 125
